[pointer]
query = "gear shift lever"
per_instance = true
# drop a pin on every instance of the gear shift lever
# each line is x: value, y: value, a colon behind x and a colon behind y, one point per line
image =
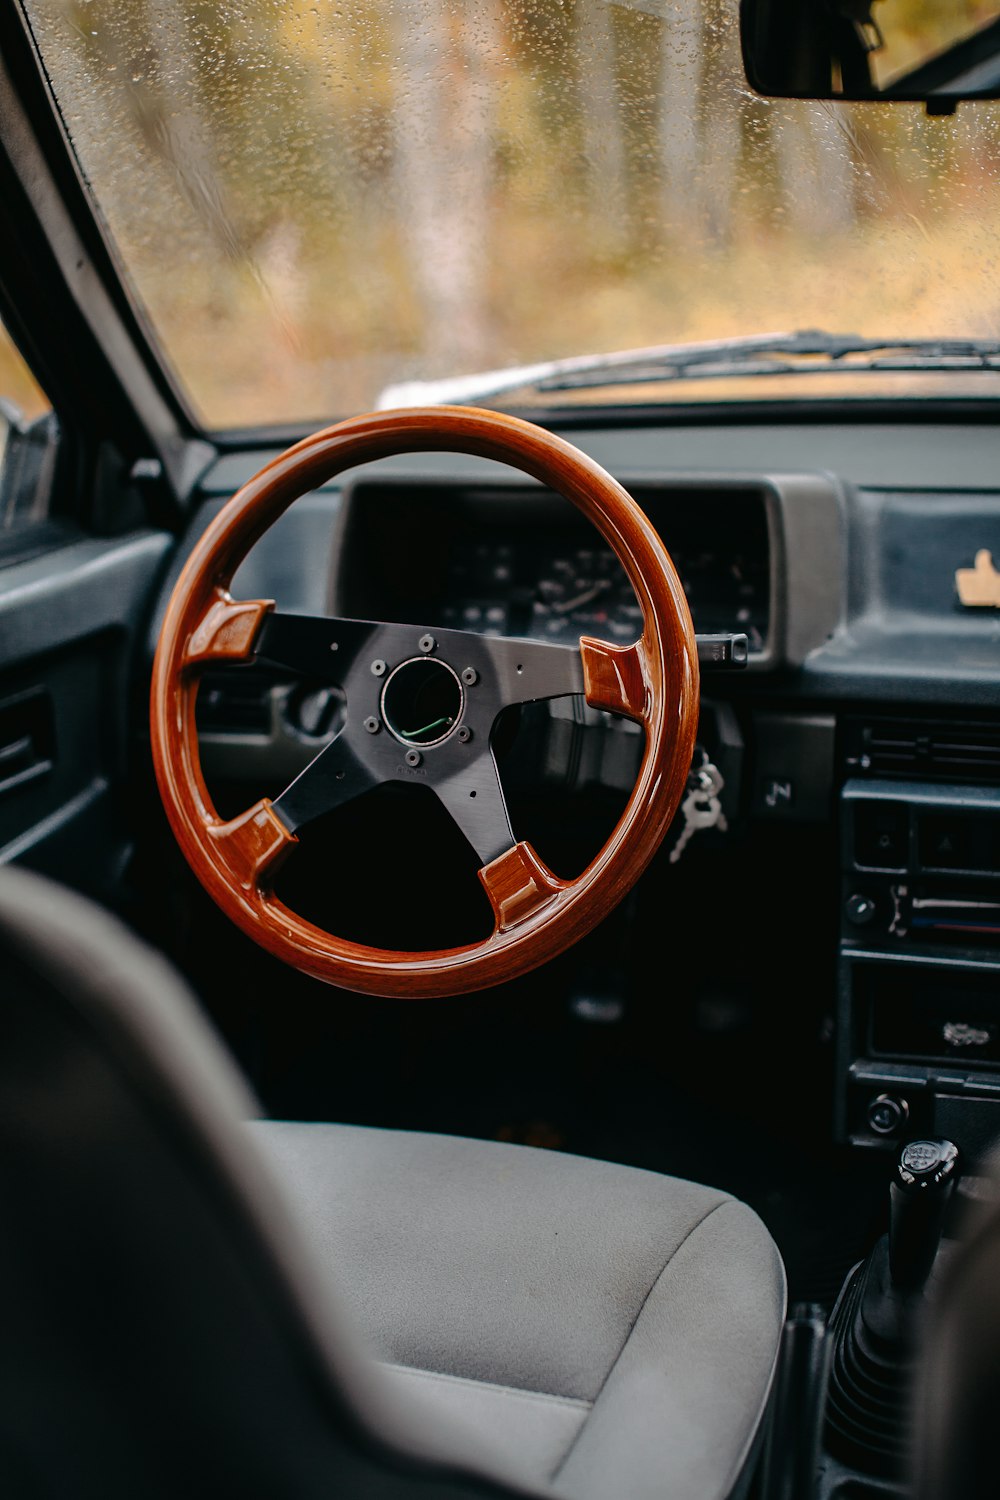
x: 872, y: 1326
x: 921, y: 1189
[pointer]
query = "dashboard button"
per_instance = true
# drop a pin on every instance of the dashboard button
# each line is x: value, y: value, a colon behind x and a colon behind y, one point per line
x: 882, y: 835
x: 947, y: 842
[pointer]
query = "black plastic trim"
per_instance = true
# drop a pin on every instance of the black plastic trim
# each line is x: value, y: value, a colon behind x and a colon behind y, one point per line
x: 861, y: 410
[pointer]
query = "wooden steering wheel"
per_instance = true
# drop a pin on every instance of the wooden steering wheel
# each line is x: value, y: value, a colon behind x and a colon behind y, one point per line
x: 423, y: 703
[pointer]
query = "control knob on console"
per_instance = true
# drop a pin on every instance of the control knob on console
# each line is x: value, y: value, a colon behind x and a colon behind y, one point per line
x: 860, y: 909
x: 887, y: 1114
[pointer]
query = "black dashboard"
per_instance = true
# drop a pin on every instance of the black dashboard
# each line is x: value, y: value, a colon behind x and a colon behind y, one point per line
x: 834, y: 546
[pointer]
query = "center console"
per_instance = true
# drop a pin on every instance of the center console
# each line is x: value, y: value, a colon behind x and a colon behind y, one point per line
x: 918, y: 1033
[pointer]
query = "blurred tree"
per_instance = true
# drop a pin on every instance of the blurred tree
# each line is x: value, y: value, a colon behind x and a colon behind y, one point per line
x: 443, y: 146
x: 602, y: 136
x: 682, y: 56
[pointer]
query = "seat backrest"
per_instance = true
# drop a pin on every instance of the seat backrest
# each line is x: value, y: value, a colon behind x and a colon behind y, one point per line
x: 162, y: 1332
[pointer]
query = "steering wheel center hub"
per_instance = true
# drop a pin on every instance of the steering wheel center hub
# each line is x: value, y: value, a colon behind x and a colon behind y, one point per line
x: 422, y: 702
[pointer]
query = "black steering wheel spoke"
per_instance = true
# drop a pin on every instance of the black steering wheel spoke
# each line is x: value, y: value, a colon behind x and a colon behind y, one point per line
x: 474, y: 797
x: 335, y: 776
x: 322, y: 648
x: 526, y: 671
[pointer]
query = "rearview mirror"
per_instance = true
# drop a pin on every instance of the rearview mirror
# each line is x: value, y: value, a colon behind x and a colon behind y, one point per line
x: 938, y: 52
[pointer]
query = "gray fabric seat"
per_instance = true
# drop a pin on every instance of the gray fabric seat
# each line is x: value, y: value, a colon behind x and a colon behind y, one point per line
x: 615, y: 1329
x: 188, y: 1299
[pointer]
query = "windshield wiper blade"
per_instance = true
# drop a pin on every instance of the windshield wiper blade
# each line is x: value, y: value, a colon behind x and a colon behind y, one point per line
x: 802, y: 353
x: 809, y: 351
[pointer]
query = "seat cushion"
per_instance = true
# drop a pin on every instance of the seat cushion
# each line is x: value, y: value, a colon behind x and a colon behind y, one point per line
x: 615, y: 1329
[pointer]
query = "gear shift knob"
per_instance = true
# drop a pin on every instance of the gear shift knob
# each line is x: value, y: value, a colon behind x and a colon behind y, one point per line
x: 922, y: 1185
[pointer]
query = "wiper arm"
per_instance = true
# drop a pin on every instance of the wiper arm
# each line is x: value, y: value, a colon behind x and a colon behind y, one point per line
x: 807, y: 352
x: 801, y: 353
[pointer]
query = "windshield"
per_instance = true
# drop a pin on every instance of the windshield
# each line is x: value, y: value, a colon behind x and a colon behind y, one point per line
x: 314, y: 201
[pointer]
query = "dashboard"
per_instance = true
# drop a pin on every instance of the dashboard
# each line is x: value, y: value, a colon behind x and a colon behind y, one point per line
x: 833, y: 547
x: 860, y: 749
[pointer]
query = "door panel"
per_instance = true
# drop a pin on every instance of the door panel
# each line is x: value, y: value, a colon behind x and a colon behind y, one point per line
x: 70, y: 621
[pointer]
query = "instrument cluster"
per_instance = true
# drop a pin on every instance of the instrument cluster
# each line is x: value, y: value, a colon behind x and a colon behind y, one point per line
x: 561, y: 593
x: 528, y: 565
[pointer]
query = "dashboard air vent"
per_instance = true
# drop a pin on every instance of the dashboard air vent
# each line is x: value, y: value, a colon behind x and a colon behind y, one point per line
x: 928, y: 750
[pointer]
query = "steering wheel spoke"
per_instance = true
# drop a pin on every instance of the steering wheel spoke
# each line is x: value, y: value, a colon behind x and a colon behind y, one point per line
x: 320, y: 647
x: 335, y: 776
x: 474, y: 797
x: 529, y: 670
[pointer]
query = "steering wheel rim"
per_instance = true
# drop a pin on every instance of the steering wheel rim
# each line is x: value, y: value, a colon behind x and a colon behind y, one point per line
x: 654, y: 681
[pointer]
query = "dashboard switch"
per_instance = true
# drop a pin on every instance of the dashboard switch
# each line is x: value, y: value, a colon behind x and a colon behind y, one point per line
x: 887, y: 1114
x: 860, y: 909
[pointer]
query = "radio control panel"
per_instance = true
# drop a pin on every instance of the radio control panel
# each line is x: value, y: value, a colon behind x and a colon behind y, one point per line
x: 918, y: 1024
